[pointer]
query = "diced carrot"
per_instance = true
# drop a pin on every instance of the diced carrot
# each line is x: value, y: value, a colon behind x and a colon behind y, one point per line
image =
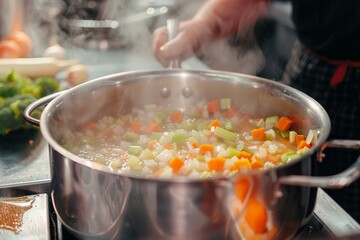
x: 176, y: 163
x: 176, y: 117
x: 299, y: 138
x: 216, y: 164
x: 136, y: 127
x: 273, y: 158
x: 194, y: 145
x: 303, y: 144
x: 258, y: 133
x: 124, y: 156
x: 151, y: 144
x: 159, y: 172
x: 240, y: 164
x: 213, y: 106
x: 244, y: 154
x: 91, y: 125
x: 206, y: 148
x: 153, y: 127
x: 242, y: 187
x: 256, y: 162
x: 168, y: 146
x: 256, y: 215
x: 284, y: 123
x: 214, y: 124
x: 230, y: 112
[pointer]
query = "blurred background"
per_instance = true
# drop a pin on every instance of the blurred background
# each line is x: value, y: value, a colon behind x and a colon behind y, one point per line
x: 85, y: 26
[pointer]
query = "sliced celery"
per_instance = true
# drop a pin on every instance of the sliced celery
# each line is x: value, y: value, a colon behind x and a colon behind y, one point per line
x: 232, y: 152
x: 270, y: 134
x: 101, y: 160
x: 289, y: 156
x: 155, y: 136
x: 228, y: 125
x: 285, y: 134
x: 134, y: 150
x: 200, y: 158
x: 134, y: 163
x: 224, y: 134
x: 116, y: 164
x: 292, y: 136
x: 272, y: 120
x: 225, y: 103
x: 131, y: 137
x: 146, y: 155
x: 261, y: 123
x: 178, y: 138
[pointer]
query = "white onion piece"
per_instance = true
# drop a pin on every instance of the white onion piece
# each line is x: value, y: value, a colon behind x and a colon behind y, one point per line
x: 76, y: 74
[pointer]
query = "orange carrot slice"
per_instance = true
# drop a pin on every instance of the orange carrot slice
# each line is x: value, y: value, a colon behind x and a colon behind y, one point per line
x: 136, y: 127
x: 206, y: 148
x: 256, y: 215
x: 216, y: 164
x: 256, y: 162
x: 284, y: 123
x: 176, y: 163
x: 214, y: 124
x: 153, y: 127
x: 213, y: 106
x: 258, y: 133
x: 176, y: 117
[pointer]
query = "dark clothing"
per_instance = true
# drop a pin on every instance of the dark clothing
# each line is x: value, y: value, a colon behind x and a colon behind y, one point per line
x: 312, y: 75
x: 331, y: 28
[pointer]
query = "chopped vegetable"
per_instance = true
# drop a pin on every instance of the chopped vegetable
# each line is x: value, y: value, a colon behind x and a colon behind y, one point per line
x: 158, y: 141
x: 176, y: 163
x: 258, y: 133
x: 284, y: 123
x: 216, y: 164
x: 224, y: 134
x: 256, y: 215
x: 213, y: 106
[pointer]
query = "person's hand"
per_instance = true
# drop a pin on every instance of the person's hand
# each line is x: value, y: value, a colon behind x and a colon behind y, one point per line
x: 188, y: 42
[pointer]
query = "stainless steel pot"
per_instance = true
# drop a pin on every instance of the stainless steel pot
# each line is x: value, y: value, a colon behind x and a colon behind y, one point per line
x: 92, y: 202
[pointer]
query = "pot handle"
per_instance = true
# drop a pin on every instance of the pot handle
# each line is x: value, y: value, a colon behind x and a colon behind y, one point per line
x: 339, y: 180
x: 35, y: 105
x: 172, y: 26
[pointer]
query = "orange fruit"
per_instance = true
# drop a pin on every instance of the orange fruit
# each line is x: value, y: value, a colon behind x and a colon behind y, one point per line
x: 9, y: 49
x: 24, y: 41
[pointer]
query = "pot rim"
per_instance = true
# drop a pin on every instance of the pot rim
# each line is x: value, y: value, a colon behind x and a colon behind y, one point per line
x: 315, y: 106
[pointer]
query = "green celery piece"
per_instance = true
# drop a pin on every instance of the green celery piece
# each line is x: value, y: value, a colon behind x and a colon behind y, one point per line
x: 289, y: 156
x: 116, y: 163
x: 134, y: 163
x: 303, y: 151
x: 272, y: 120
x: 178, y: 138
x: 134, y: 150
x: 228, y: 125
x: 232, y: 152
x: 101, y: 160
x: 192, y: 140
x: 200, y: 158
x: 270, y: 134
x: 261, y: 123
x: 225, y: 103
x: 146, y: 154
x: 292, y: 136
x: 201, y: 126
x: 285, y: 134
x: 224, y: 134
x: 131, y: 137
x: 155, y: 136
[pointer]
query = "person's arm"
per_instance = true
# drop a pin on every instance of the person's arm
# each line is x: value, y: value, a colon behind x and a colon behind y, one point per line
x: 216, y: 19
